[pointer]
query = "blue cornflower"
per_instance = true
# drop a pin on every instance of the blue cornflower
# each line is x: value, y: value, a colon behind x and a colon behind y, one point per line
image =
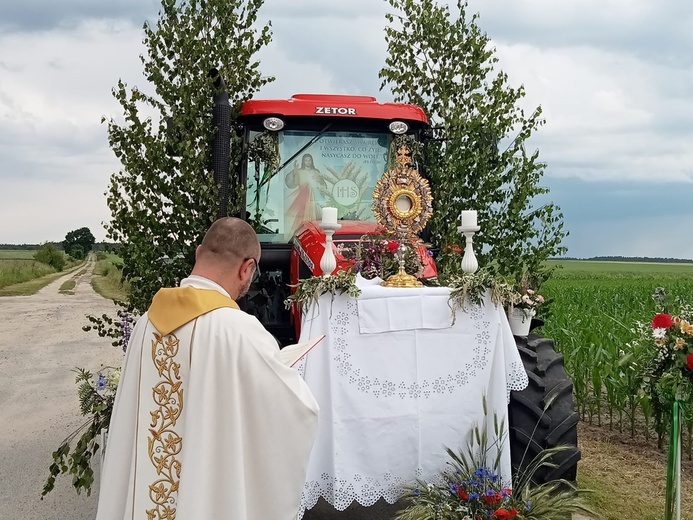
x: 473, y: 496
x: 480, y: 473
x: 101, y: 383
x: 505, y: 492
x: 453, y: 487
x: 490, y: 493
x: 492, y: 476
x: 528, y: 505
x: 416, y: 492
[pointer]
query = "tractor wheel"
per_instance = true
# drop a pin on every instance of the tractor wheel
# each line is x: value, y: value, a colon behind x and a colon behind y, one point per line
x: 543, y: 414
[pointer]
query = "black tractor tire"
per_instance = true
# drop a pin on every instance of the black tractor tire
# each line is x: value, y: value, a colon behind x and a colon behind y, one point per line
x: 543, y: 414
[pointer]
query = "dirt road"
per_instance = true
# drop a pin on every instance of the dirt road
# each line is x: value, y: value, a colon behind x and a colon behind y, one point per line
x: 41, y: 341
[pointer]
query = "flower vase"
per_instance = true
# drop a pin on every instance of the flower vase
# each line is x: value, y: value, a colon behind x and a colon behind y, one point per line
x: 520, y: 320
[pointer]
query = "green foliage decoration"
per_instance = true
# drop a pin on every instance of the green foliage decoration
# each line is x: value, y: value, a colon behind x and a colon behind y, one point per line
x: 473, y: 287
x: 444, y: 63
x: 164, y: 197
x: 96, y: 398
x: 49, y: 254
x: 308, y: 290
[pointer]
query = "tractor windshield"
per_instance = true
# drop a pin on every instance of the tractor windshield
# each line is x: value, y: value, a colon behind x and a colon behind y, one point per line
x: 338, y: 169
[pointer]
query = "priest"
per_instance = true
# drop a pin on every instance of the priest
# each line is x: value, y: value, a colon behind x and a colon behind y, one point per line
x: 208, y: 424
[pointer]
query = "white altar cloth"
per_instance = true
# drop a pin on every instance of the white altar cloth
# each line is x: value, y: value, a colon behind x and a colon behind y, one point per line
x: 397, y: 384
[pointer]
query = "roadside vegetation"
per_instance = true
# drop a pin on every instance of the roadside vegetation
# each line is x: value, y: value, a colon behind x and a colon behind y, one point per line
x: 21, y: 274
x: 108, y: 277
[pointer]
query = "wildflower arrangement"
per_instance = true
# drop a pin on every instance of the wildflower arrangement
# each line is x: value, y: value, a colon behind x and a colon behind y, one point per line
x: 668, y: 373
x: 471, y: 488
x: 96, y: 398
x: 477, y: 496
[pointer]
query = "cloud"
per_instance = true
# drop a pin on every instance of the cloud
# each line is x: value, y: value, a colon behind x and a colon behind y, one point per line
x: 658, y: 31
x: 609, y: 115
x: 42, y: 15
x: 342, y: 44
x: 624, y: 218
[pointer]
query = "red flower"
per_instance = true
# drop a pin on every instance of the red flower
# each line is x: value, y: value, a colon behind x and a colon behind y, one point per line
x: 492, y: 499
x: 462, y: 494
x: 504, y: 514
x: 689, y: 361
x: 393, y: 245
x: 661, y: 321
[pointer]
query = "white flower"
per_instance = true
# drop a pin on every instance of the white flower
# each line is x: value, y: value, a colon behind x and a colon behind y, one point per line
x: 659, y: 333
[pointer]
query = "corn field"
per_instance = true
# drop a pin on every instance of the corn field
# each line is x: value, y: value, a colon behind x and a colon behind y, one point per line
x: 594, y: 307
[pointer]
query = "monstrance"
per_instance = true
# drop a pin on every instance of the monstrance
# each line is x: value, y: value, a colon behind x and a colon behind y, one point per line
x: 403, y: 204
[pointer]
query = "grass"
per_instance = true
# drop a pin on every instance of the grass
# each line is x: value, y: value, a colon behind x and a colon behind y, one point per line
x: 627, y: 477
x: 21, y: 275
x: 68, y: 287
x: 34, y: 285
x: 108, y: 278
x: 14, y: 271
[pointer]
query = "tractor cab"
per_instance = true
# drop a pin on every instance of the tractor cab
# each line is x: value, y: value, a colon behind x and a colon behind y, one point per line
x: 312, y: 151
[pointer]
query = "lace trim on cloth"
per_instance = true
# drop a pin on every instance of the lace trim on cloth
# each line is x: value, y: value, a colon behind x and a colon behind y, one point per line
x: 340, y: 493
x: 516, y: 377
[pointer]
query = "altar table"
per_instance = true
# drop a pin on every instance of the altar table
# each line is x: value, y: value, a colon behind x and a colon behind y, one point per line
x: 400, y: 377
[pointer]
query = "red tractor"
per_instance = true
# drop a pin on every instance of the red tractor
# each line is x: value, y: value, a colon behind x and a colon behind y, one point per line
x: 331, y: 151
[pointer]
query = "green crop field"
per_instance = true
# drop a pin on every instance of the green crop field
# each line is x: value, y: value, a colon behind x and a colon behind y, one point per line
x: 17, y: 254
x: 593, y: 310
x: 592, y: 314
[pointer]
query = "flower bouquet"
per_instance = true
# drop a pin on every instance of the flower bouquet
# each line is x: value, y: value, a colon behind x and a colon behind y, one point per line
x: 471, y: 488
x: 523, y: 307
x: 96, y: 398
x: 375, y: 255
x: 668, y: 374
x: 527, y: 300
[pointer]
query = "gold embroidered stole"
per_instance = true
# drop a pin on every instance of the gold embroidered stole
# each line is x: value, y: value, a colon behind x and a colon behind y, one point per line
x: 170, y: 310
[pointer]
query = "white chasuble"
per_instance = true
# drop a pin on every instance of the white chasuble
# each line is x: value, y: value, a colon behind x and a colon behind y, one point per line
x: 208, y: 423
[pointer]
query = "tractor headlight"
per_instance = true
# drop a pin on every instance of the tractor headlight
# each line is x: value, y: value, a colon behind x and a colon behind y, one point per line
x: 273, y: 124
x: 398, y: 127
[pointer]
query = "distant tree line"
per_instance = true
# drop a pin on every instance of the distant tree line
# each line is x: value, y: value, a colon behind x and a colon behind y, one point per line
x: 658, y: 260
x: 21, y: 247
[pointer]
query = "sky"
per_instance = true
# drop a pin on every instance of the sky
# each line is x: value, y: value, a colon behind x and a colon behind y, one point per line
x: 614, y: 79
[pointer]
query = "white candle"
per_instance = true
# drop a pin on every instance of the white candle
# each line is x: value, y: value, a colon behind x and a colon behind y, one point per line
x: 468, y: 218
x: 329, y: 216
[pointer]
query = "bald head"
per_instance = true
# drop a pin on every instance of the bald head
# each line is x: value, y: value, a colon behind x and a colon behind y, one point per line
x: 229, y: 240
x: 227, y: 255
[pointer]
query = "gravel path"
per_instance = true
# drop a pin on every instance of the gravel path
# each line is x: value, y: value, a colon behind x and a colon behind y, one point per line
x: 41, y: 341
